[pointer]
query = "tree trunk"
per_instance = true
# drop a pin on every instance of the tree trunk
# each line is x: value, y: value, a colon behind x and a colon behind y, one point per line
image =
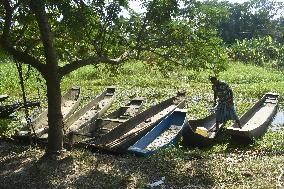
x: 55, y: 119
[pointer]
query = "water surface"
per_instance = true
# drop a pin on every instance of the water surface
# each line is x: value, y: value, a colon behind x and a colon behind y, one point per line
x: 278, y: 120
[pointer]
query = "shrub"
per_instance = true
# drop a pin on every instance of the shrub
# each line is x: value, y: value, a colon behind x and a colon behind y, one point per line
x: 260, y: 51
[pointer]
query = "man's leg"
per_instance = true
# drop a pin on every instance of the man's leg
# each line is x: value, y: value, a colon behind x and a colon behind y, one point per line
x: 238, y: 123
x: 217, y: 126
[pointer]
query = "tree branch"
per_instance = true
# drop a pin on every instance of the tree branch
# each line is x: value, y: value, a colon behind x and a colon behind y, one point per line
x: 5, y: 43
x: 80, y: 3
x: 91, y: 60
x: 8, y: 20
x: 159, y: 54
x: 143, y: 28
x: 21, y: 34
x: 38, y: 8
x: 23, y: 57
x: 16, y: 6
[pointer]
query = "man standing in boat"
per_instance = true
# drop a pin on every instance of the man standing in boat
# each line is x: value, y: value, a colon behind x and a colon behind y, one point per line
x: 225, y: 109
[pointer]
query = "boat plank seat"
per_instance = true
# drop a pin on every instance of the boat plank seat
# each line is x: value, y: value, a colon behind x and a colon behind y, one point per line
x: 271, y: 101
x: 109, y: 94
x: 114, y: 120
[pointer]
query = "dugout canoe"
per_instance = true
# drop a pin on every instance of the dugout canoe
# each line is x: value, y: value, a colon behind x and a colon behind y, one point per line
x: 70, y: 101
x: 200, y: 132
x: 164, y: 134
x: 3, y: 97
x: 6, y: 111
x: 90, y: 112
x: 256, y: 120
x: 114, y: 119
x: 104, y: 125
x: 119, y: 139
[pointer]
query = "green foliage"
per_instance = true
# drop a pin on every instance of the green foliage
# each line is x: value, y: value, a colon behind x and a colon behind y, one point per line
x: 189, y: 39
x: 8, y: 127
x: 259, y: 51
x: 272, y: 141
x: 239, y: 73
x: 10, y: 82
x: 209, y: 55
x: 251, y: 19
x: 167, y: 34
x: 280, y: 60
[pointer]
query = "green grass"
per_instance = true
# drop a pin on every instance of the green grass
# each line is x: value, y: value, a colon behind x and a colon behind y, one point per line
x: 225, y: 165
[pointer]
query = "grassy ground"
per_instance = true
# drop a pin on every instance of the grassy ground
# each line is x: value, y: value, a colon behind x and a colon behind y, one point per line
x: 225, y: 165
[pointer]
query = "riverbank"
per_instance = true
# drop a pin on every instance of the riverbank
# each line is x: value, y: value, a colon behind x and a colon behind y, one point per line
x: 225, y: 165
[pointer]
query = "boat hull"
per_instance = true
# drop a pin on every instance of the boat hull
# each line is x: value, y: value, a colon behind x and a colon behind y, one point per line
x: 192, y: 138
x: 70, y: 101
x: 256, y: 120
x: 104, y: 125
x: 164, y: 134
x: 83, y: 118
x: 126, y: 134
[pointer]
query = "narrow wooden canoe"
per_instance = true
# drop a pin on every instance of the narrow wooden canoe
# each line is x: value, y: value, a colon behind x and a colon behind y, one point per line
x: 104, y: 125
x: 91, y: 111
x: 199, y: 132
x: 7, y: 110
x: 114, y: 119
x: 257, y: 119
x: 70, y: 101
x: 164, y: 134
x: 126, y: 134
x: 3, y: 97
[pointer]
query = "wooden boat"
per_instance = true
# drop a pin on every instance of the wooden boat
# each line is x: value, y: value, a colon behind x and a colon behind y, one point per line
x: 91, y: 111
x: 257, y: 119
x: 3, y: 97
x: 164, y: 134
x: 127, y: 133
x: 200, y: 132
x: 104, y: 125
x: 70, y: 101
x: 7, y: 110
x: 111, y: 121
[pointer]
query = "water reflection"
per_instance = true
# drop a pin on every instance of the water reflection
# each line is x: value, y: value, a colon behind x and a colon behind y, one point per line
x: 278, y: 120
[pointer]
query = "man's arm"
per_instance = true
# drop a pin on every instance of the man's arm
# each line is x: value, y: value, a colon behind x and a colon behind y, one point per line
x: 215, y: 98
x: 231, y: 95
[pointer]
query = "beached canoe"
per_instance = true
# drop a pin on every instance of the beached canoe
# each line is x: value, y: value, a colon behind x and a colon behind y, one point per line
x: 164, y: 134
x: 70, y: 101
x: 7, y: 110
x: 107, y: 123
x: 90, y: 112
x: 3, y: 97
x: 200, y: 132
x: 257, y: 119
x: 120, y: 138
x: 114, y: 119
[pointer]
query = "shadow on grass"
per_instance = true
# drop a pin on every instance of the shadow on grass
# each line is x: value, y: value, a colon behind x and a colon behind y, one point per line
x: 229, y: 144
x: 21, y: 168
x: 24, y: 167
x: 181, y: 169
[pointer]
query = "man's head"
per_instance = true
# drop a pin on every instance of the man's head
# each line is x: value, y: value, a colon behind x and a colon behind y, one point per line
x: 213, y: 80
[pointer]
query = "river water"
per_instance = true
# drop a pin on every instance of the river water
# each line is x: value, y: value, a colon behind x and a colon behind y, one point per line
x: 278, y: 120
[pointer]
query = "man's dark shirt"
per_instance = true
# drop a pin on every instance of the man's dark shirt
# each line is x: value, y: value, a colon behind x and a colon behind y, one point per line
x: 223, y: 91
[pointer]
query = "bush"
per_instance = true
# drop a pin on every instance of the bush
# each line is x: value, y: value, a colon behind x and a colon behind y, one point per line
x: 260, y: 51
